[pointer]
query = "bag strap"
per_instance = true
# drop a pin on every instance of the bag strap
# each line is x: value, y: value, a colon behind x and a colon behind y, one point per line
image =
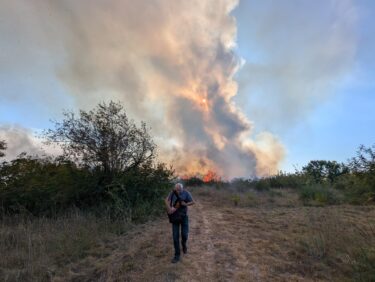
x: 171, y: 199
x: 178, y: 197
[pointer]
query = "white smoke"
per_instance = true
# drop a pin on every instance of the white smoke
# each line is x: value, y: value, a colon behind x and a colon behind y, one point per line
x: 20, y: 140
x: 171, y: 63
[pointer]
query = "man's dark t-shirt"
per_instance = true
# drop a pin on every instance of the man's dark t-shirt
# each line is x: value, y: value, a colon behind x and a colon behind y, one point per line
x: 184, y: 196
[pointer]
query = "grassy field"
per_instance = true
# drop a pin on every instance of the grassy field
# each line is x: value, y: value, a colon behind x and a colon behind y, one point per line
x: 39, y: 249
x: 313, y: 242
x: 234, y: 236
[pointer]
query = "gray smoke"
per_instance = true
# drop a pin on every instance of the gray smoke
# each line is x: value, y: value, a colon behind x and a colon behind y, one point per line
x: 170, y: 62
x: 19, y: 140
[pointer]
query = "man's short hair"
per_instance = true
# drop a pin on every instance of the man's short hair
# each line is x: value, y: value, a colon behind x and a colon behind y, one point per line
x: 179, y: 185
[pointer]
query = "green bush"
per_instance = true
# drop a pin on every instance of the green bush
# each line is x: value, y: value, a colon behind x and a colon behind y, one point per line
x: 193, y: 181
x: 262, y: 184
x: 363, y: 169
x: 274, y: 193
x: 42, y: 186
x: 236, y: 199
x: 250, y: 199
x: 47, y: 187
x: 316, y: 194
x: 241, y: 185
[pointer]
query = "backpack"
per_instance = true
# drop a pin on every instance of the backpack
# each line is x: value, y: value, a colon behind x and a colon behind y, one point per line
x: 178, y: 215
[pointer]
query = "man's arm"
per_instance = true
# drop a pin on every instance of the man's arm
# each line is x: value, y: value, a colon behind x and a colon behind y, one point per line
x: 167, y: 204
x: 189, y: 201
x: 167, y: 200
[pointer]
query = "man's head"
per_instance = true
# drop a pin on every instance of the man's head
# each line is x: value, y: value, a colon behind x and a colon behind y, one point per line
x: 178, y: 188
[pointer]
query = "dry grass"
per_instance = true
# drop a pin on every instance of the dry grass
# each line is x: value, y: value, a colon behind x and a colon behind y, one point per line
x: 305, y: 243
x: 250, y: 236
x: 39, y: 249
x: 342, y: 239
x: 250, y: 198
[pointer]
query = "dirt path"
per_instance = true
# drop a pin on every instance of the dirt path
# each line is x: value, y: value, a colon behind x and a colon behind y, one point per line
x: 230, y: 245
x: 225, y: 244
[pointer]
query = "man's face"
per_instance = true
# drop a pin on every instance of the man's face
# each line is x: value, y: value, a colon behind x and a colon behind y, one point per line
x: 178, y: 188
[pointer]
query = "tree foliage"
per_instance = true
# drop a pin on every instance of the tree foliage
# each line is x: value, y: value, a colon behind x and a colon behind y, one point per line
x: 103, y: 138
x: 321, y: 171
x: 41, y: 185
x: 364, y: 162
x: 362, y: 167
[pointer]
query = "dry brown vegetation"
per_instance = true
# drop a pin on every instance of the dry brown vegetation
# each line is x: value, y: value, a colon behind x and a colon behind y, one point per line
x: 40, y: 249
x: 250, y: 236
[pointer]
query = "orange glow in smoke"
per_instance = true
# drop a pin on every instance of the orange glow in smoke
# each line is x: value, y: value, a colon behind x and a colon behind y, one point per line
x: 211, y: 176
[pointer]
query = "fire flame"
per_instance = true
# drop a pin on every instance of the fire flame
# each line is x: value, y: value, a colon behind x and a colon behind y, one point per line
x: 211, y: 176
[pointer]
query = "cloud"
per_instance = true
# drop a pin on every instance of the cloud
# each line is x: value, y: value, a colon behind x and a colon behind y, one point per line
x: 171, y: 63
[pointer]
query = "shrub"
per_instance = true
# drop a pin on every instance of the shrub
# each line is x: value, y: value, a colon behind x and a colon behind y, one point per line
x: 262, y: 184
x: 363, y: 168
x: 316, y: 194
x: 42, y: 185
x: 236, y: 199
x: 241, y: 185
x: 193, y: 181
x: 274, y: 193
x: 48, y: 187
x: 250, y: 199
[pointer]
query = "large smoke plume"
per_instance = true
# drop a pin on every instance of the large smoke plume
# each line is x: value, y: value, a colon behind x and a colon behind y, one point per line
x: 171, y: 63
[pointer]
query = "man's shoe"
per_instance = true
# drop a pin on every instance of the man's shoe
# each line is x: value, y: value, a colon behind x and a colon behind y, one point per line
x: 175, y: 260
x: 184, y: 250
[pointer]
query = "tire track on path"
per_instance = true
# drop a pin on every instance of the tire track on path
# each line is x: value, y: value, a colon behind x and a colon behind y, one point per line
x: 201, y: 256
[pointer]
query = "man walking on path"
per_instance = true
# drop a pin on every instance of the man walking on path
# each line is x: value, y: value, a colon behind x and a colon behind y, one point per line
x: 177, y: 201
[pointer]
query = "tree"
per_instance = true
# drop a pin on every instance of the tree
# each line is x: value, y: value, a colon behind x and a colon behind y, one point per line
x: 364, y: 162
x: 321, y: 170
x: 363, y: 166
x: 3, y: 147
x: 103, y: 138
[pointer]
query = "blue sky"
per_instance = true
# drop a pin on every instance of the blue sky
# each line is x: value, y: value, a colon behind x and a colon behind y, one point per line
x: 337, y: 124
x: 308, y: 76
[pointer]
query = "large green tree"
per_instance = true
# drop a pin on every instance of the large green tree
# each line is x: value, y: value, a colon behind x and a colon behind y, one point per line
x: 103, y: 138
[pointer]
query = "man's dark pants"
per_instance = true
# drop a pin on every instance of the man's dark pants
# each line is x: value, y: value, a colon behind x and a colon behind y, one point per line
x: 176, y: 235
